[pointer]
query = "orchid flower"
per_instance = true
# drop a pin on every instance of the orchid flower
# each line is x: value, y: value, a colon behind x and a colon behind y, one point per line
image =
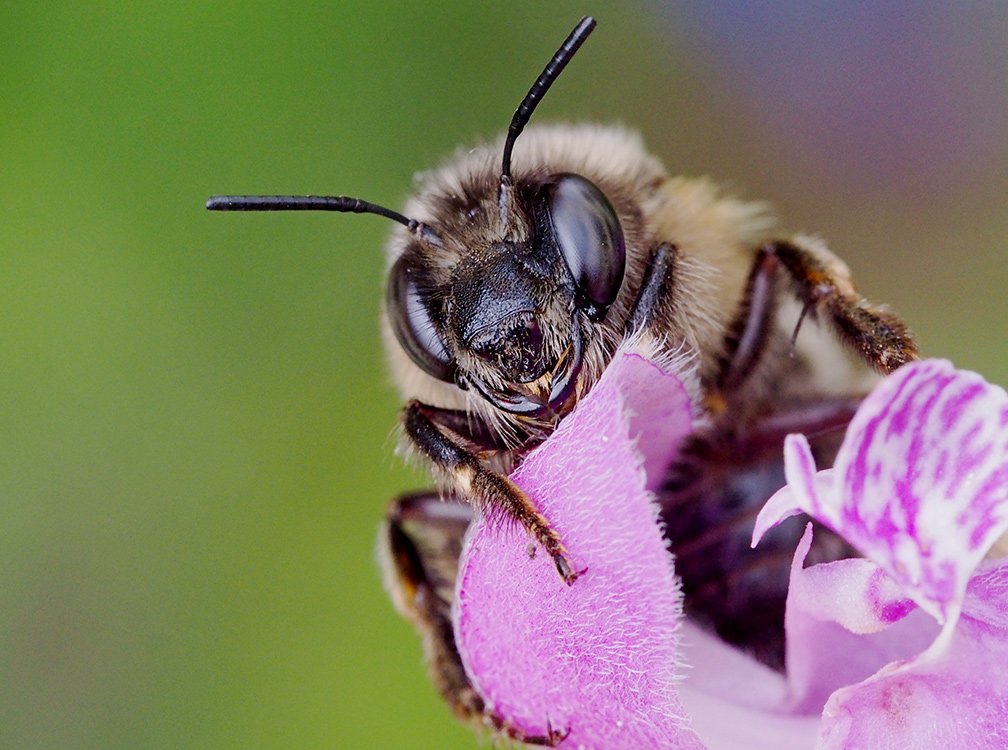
x: 904, y: 647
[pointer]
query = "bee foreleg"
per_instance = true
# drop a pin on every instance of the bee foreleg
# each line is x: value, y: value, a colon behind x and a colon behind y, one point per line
x: 472, y: 429
x: 486, y: 489
x: 749, y: 333
x: 822, y: 280
x: 655, y: 287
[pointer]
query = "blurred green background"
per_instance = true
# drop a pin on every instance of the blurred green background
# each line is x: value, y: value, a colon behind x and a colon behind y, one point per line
x: 196, y: 424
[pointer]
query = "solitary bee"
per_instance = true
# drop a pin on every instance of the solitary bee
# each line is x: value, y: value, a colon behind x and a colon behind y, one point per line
x: 520, y: 268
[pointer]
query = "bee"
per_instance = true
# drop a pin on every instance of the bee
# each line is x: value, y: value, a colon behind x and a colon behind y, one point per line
x: 521, y: 266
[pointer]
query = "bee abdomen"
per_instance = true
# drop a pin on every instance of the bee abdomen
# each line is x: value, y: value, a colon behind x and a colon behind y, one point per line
x: 709, y: 504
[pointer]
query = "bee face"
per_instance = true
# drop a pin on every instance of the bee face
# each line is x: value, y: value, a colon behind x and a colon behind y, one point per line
x: 504, y: 301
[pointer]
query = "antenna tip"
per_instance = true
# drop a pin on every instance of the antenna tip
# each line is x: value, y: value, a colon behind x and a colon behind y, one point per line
x: 222, y: 203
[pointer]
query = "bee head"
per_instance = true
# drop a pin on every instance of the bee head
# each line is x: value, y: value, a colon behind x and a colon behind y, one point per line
x: 503, y: 304
x: 509, y: 315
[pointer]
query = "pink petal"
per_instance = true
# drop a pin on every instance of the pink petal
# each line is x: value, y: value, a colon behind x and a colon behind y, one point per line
x: 803, y: 490
x: 598, y: 657
x: 845, y: 620
x: 920, y: 484
x: 954, y: 699
x: 736, y: 702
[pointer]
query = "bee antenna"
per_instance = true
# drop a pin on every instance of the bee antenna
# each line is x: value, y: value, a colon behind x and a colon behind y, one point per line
x: 340, y: 203
x: 535, y: 94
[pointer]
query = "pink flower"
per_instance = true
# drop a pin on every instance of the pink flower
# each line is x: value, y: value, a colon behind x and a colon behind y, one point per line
x: 905, y: 647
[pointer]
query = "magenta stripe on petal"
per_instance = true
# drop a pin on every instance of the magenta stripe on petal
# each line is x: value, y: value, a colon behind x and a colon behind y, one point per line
x: 921, y: 481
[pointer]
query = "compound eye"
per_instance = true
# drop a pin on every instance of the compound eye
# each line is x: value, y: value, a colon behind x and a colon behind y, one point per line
x: 590, y: 239
x: 413, y: 326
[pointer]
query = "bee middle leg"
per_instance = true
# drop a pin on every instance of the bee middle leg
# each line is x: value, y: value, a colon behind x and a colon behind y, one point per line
x: 419, y: 545
x: 428, y: 428
x: 725, y: 473
x: 823, y: 283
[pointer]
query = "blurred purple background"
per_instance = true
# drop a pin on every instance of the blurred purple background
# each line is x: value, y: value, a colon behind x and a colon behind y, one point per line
x: 882, y: 126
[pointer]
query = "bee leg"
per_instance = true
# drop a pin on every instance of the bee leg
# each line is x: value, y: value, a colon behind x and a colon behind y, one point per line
x: 485, y: 488
x: 824, y: 284
x: 419, y: 546
x: 749, y: 333
x: 654, y: 288
x: 552, y: 738
x: 473, y: 430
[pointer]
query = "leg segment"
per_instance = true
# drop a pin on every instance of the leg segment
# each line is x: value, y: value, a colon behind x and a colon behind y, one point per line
x: 484, y: 487
x: 473, y: 430
x: 749, y: 333
x: 420, y: 545
x: 822, y: 282
x: 654, y: 286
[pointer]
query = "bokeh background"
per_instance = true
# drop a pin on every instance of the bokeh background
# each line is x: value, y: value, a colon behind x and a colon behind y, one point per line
x: 195, y: 444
